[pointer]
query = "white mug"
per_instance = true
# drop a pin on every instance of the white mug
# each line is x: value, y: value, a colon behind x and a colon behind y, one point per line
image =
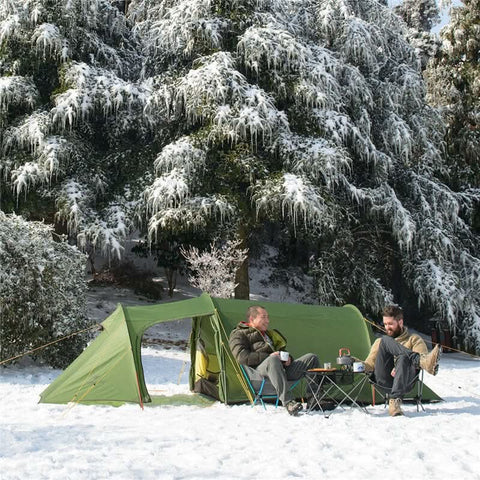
x: 284, y: 356
x: 358, y: 367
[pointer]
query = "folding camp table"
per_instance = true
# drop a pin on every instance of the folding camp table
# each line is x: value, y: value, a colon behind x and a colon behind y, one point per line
x: 330, y: 384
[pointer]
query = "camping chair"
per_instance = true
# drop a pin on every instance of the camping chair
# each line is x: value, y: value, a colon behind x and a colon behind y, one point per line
x: 415, y: 394
x: 261, y: 388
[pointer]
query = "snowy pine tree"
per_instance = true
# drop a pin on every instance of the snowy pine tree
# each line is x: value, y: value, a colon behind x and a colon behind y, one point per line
x: 70, y: 117
x: 453, y: 79
x: 420, y: 16
x: 312, y: 113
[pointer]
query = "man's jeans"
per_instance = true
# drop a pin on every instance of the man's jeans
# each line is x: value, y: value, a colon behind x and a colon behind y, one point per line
x: 392, y: 354
x: 273, y: 369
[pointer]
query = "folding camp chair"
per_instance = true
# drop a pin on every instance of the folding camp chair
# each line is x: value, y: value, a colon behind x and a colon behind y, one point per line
x: 261, y: 388
x: 415, y: 394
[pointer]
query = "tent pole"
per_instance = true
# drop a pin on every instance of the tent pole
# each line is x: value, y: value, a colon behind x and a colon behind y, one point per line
x: 235, y: 366
x: 139, y: 393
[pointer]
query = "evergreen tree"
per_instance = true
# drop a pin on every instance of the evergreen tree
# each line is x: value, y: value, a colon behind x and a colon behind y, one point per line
x: 70, y: 116
x: 420, y: 16
x: 453, y: 79
x: 312, y: 113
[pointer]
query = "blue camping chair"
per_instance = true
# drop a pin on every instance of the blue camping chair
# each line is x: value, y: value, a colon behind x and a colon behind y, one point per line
x: 261, y: 388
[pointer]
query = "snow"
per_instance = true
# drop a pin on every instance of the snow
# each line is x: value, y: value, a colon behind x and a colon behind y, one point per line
x: 46, y: 441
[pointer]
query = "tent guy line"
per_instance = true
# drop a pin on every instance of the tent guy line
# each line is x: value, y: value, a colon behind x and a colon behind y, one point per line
x: 95, y: 325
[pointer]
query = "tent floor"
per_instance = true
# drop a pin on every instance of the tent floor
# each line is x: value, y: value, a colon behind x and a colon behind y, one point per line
x: 180, y: 399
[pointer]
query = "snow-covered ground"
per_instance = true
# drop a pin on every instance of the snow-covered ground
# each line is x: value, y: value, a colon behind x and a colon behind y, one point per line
x: 42, y: 441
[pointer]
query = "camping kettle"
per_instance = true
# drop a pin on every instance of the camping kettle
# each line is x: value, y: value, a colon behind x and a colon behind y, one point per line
x: 344, y: 357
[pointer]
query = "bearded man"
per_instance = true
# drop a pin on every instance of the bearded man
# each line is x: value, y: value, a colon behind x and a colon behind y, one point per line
x: 395, y: 359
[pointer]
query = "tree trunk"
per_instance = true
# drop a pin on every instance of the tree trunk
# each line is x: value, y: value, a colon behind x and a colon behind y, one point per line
x: 242, y: 290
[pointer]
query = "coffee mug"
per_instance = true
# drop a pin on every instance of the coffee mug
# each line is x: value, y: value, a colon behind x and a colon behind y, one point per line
x: 358, y: 367
x: 284, y: 356
x: 327, y: 365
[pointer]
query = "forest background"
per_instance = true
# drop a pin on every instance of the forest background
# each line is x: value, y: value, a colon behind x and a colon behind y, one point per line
x: 341, y: 133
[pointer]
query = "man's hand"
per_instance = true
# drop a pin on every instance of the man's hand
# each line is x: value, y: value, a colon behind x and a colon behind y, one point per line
x: 287, y: 363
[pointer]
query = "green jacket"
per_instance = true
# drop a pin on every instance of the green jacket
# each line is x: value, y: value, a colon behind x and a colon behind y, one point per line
x: 249, y: 346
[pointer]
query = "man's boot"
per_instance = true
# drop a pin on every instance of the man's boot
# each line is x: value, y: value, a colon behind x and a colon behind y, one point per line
x: 395, y: 407
x: 428, y: 361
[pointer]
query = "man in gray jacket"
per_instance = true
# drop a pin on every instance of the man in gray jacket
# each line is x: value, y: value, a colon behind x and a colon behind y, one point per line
x: 254, y: 345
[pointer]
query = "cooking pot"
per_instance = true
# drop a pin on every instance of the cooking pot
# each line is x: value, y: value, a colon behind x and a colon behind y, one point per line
x: 344, y: 357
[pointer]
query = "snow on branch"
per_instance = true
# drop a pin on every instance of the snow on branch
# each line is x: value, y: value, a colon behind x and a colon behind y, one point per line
x: 72, y: 204
x: 94, y: 89
x: 29, y: 134
x: 9, y: 26
x: 331, y: 16
x: 409, y: 87
x: 270, y: 48
x: 387, y: 204
x: 397, y: 136
x: 47, y: 164
x: 364, y: 44
x: 217, y: 92
x: 193, y: 214
x: 105, y: 229
x: 341, y: 129
x: 108, y: 233
x: 16, y: 91
x: 213, y: 270
x: 181, y: 155
x: 50, y: 41
x: 167, y: 191
x: 297, y: 198
x: 186, y: 25
x: 437, y: 202
x: 439, y: 287
x: 315, y: 158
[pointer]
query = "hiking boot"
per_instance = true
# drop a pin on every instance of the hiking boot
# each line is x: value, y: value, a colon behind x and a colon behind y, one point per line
x: 395, y: 407
x: 428, y: 361
x: 293, y: 407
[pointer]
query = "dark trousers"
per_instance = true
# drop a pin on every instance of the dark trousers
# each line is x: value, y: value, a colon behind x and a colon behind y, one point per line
x: 392, y: 354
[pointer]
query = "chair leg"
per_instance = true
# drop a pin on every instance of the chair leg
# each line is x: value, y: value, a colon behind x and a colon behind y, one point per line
x: 259, y: 394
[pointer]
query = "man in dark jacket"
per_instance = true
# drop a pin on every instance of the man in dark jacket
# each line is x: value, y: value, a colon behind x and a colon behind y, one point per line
x: 252, y: 344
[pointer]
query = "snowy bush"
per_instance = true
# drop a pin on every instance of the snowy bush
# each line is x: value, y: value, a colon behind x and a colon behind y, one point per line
x: 42, y: 292
x: 213, y: 270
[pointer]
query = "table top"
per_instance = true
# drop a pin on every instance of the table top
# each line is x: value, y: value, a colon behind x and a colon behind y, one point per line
x: 322, y: 370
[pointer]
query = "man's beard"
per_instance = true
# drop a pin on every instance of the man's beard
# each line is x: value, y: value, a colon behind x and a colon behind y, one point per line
x: 396, y: 333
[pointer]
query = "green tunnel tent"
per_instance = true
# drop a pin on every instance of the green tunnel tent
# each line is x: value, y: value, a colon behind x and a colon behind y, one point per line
x: 110, y: 371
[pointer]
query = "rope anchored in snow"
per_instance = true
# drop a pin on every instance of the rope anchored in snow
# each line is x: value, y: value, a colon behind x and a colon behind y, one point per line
x: 96, y: 325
